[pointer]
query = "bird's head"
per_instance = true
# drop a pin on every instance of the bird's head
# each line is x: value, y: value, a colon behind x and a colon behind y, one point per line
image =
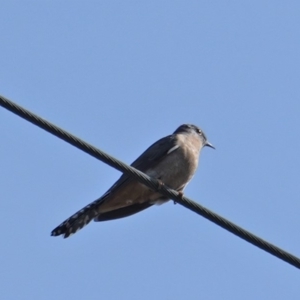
x: 193, y: 129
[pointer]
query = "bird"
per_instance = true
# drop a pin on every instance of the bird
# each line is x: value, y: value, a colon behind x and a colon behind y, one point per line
x: 172, y: 160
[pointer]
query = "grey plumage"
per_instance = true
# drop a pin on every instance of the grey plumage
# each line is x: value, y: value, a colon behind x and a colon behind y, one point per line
x: 172, y: 159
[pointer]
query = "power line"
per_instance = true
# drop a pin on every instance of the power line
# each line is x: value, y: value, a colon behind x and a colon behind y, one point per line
x: 150, y: 182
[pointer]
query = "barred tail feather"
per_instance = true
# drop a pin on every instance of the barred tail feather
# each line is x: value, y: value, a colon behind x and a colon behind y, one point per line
x: 78, y: 220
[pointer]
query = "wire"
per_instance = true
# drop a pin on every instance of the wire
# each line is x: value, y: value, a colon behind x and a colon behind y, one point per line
x: 150, y: 182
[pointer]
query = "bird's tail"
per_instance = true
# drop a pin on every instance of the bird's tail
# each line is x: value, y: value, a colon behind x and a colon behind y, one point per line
x: 78, y: 220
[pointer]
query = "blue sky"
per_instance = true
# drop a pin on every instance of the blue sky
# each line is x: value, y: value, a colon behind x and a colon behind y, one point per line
x: 120, y: 75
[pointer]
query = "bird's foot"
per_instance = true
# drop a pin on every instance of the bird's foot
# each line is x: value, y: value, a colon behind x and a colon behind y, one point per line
x: 160, y: 184
x: 180, y: 194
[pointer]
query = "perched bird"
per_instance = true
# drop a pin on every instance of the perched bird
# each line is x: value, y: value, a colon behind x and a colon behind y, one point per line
x: 172, y: 159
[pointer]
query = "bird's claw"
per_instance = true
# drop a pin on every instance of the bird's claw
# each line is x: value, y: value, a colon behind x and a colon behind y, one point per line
x: 160, y: 184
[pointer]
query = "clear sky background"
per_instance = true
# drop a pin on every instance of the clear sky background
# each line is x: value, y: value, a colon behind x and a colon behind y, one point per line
x: 120, y: 75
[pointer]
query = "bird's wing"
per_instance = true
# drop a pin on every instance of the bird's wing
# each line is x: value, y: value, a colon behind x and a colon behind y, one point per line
x: 150, y: 157
x: 155, y: 153
x: 146, y: 160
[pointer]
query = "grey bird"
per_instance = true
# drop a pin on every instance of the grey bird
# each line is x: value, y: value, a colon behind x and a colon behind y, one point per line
x: 173, y: 160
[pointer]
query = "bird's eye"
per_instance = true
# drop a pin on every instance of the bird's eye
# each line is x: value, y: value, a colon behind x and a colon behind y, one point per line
x: 199, y: 131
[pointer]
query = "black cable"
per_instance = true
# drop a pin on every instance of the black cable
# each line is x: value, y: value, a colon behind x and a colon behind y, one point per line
x: 150, y: 182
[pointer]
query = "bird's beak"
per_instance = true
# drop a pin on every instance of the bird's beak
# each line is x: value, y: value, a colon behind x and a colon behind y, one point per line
x: 208, y: 144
